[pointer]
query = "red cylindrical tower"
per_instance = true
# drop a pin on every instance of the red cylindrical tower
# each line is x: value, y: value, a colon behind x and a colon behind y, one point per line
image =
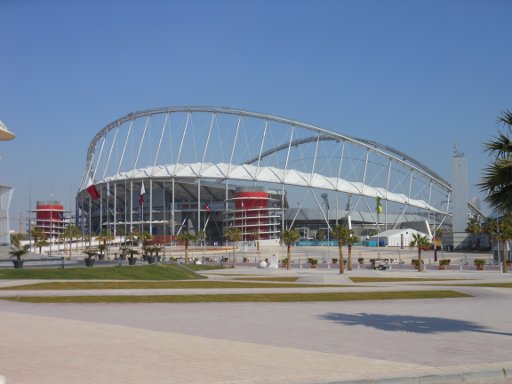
x: 50, y: 217
x: 252, y: 215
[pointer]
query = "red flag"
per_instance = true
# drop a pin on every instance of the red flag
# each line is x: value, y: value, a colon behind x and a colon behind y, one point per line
x: 142, y: 192
x: 208, y: 209
x: 92, y: 190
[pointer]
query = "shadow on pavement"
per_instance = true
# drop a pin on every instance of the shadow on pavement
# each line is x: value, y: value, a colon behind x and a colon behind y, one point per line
x: 415, y: 324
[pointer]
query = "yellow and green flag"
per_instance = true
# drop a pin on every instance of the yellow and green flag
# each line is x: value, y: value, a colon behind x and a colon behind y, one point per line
x: 379, y: 205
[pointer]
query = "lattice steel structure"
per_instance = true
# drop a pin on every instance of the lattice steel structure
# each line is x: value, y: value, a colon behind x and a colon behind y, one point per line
x: 191, y: 160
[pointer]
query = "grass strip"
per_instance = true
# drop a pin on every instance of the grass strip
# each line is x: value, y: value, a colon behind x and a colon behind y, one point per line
x: 142, y: 272
x: 238, y: 298
x: 393, y: 279
x: 188, y: 284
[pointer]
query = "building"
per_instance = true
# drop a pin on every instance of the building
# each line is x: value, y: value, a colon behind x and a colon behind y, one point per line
x: 5, y: 195
x: 174, y: 169
x: 50, y: 218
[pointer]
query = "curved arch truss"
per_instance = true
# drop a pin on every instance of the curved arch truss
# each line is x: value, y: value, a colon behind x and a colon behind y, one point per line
x: 220, y: 146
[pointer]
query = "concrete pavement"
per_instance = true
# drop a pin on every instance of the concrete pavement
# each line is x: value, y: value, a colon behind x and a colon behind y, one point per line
x: 399, y: 341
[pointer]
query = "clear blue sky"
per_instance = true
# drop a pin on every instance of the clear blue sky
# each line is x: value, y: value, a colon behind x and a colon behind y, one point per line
x: 420, y: 76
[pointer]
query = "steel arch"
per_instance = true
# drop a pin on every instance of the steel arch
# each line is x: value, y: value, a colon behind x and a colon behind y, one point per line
x: 245, y: 172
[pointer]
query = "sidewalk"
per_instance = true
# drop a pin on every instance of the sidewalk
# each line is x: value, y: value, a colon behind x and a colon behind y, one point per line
x: 400, y: 341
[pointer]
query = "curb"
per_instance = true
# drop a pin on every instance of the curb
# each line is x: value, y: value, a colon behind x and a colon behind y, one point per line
x: 488, y: 376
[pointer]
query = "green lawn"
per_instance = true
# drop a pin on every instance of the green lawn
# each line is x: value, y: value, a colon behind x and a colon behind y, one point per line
x: 274, y: 297
x: 142, y: 272
x: 191, y: 284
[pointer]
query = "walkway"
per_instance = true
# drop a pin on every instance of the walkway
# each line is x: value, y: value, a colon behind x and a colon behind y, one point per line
x: 448, y: 340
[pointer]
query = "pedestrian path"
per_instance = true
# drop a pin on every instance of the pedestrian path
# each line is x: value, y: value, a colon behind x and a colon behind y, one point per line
x: 401, y: 341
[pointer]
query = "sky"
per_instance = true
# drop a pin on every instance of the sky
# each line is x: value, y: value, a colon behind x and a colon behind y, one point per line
x: 421, y: 76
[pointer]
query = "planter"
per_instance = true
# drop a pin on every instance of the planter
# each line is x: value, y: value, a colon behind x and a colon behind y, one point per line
x: 18, y: 264
x: 158, y: 259
x: 151, y: 259
x: 122, y: 257
x: 443, y: 267
x: 335, y: 261
x: 101, y: 257
x: 132, y: 260
x: 479, y: 267
x: 89, y: 262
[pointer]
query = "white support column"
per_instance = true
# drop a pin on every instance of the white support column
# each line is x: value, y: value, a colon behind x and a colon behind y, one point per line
x: 131, y: 205
x: 115, y: 210
x: 110, y: 154
x: 124, y: 148
x: 387, y: 193
x: 198, y: 204
x: 101, y: 209
x: 141, y: 142
x: 151, y: 206
x: 340, y: 165
x: 173, y: 228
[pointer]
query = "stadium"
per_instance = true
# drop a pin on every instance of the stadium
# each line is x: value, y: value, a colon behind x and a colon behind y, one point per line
x: 174, y: 169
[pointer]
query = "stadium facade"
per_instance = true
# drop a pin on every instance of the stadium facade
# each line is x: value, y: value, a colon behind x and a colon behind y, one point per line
x: 174, y: 169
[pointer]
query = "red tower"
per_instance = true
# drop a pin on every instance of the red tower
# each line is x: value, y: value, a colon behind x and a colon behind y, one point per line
x: 254, y: 214
x: 50, y: 217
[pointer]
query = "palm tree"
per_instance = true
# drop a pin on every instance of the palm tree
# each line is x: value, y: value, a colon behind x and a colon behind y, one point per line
x: 234, y: 235
x: 342, y: 234
x: 489, y: 228
x: 186, y: 238
x: 474, y: 228
x: 351, y: 240
x: 37, y: 234
x: 419, y: 241
x: 288, y: 237
x: 40, y: 243
x: 497, y: 183
x: 132, y: 237
x: 17, y: 249
x: 146, y: 238
x: 504, y: 235
x: 255, y: 235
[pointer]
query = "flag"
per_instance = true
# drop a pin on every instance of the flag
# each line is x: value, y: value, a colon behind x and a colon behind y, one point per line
x: 142, y: 192
x: 208, y: 209
x: 92, y: 190
x: 379, y: 205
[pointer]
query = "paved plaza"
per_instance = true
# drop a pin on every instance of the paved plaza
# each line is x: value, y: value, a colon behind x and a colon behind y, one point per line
x: 397, y: 341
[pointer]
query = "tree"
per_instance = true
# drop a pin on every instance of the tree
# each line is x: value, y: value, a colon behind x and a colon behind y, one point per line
x: 38, y: 235
x: 288, y: 237
x: 146, y: 238
x: 419, y: 241
x: 496, y: 182
x: 132, y: 237
x: 504, y: 235
x: 234, y: 235
x: 41, y: 242
x: 104, y: 237
x: 186, y: 238
x: 17, y: 249
x: 474, y: 228
x: 342, y: 234
x: 255, y: 235
x: 489, y: 227
x: 350, y: 241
